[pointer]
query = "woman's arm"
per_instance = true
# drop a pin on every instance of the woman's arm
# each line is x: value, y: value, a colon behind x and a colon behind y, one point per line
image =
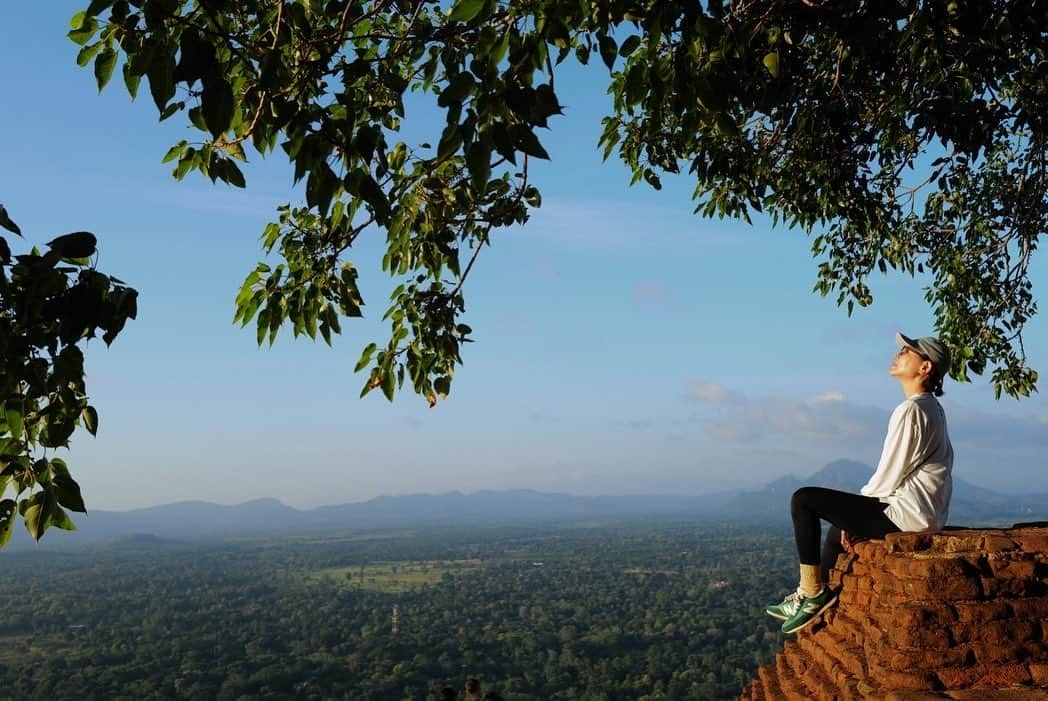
x: 902, y: 448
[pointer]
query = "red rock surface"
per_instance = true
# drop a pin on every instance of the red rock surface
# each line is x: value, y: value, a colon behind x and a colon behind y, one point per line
x: 959, y: 614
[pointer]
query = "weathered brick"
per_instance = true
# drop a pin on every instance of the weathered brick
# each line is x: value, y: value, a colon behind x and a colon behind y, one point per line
x: 924, y: 614
x: 937, y: 589
x: 864, y: 569
x: 1005, y: 652
x: 1032, y: 540
x: 1004, y: 675
x: 770, y: 682
x: 925, y: 659
x: 846, y: 559
x: 1012, y: 693
x: 792, y: 688
x: 850, y: 596
x: 861, y: 583
x: 929, y: 638
x: 982, y: 611
x: 907, y: 542
x: 1039, y: 672
x: 997, y: 541
x: 1013, y: 568
x: 888, y: 600
x: 1029, y: 608
x: 956, y: 541
x: 960, y: 677
x: 1012, y: 588
x: 845, y: 652
x: 959, y: 614
x: 917, y: 567
x: 996, y: 632
x: 867, y: 550
x: 902, y: 681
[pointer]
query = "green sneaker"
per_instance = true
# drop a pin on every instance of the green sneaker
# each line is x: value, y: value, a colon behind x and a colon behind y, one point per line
x: 810, y: 609
x: 787, y: 608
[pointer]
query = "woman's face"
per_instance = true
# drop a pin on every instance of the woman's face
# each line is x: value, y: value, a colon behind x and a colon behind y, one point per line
x: 909, y: 364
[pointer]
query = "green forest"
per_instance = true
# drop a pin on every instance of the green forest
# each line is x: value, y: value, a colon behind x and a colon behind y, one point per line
x: 599, y: 611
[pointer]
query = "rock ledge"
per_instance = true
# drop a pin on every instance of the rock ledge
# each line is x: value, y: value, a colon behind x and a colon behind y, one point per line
x: 958, y: 614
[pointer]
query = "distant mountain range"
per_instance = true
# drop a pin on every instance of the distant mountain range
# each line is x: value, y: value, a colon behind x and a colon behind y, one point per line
x: 190, y: 520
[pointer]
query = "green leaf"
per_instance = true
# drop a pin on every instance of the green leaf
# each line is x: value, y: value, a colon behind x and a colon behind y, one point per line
x: 7, y: 520
x: 5, y: 221
x: 104, y: 65
x: 131, y: 81
x: 321, y: 186
x: 710, y: 96
x: 771, y: 62
x: 13, y: 417
x: 174, y: 152
x: 90, y: 418
x: 533, y: 197
x: 36, y: 512
x: 67, y: 491
x: 84, y: 28
x: 478, y: 160
x: 636, y: 83
x: 60, y: 519
x: 87, y: 53
x: 79, y: 244
x: 501, y: 49
x: 458, y: 88
x: 450, y: 140
x: 465, y: 10
x: 161, y: 75
x: 526, y: 142
x: 629, y: 46
x: 726, y: 125
x: 232, y: 174
x: 608, y: 50
x: 376, y: 198
x: 217, y: 104
x: 365, y: 357
x: 97, y: 6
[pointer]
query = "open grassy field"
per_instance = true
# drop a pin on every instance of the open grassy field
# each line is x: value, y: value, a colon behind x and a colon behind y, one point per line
x: 394, y: 577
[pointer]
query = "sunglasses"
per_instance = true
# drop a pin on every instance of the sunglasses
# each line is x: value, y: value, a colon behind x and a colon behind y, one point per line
x: 906, y: 349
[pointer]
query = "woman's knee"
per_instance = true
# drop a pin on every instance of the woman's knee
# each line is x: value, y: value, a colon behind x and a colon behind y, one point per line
x: 802, y: 498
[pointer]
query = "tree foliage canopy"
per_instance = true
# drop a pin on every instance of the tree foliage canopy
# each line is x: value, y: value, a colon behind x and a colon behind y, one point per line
x: 50, y: 304
x: 900, y: 134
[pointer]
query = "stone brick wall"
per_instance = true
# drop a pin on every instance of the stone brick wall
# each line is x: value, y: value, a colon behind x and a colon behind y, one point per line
x: 959, y: 614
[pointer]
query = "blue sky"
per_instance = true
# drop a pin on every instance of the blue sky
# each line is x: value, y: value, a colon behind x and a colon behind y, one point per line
x: 624, y: 345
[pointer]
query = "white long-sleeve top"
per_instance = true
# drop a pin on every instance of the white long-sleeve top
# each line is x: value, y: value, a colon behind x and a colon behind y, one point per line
x: 914, y: 473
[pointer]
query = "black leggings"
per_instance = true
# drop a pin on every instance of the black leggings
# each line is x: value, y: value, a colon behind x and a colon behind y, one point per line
x: 858, y: 515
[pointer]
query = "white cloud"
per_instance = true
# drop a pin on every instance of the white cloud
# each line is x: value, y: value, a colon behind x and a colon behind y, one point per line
x: 708, y: 391
x: 827, y: 397
x: 785, y: 419
x: 1002, y: 450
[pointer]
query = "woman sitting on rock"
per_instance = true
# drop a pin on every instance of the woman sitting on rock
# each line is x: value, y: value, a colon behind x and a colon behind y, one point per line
x: 910, y: 491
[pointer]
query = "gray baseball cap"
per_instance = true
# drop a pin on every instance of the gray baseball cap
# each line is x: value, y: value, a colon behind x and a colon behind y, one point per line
x: 930, y: 347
